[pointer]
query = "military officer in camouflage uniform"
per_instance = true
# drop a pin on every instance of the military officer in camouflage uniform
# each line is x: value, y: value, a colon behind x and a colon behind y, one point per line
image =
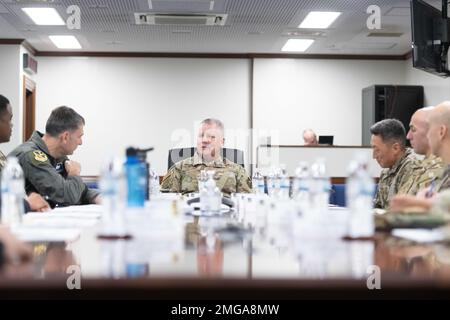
x: 389, y: 150
x: 438, y: 136
x: 46, y: 167
x: 439, y: 139
x: 230, y: 177
x: 5, y: 126
x: 431, y: 167
x: 33, y: 202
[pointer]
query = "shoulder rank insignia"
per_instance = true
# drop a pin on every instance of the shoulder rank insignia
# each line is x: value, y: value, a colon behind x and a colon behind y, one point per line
x: 40, y: 156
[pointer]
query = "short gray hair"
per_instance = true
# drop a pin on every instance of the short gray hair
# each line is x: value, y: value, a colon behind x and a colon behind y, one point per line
x: 390, y: 131
x: 63, y: 119
x: 216, y: 122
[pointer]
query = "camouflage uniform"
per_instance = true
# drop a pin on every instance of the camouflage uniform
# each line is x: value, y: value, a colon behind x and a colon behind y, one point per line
x: 47, y: 176
x: 183, y: 176
x: 392, y: 179
x: 2, y: 161
x: 423, y: 173
x: 443, y: 182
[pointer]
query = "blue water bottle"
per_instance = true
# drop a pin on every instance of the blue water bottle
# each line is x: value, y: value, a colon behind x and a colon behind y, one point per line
x: 136, y: 174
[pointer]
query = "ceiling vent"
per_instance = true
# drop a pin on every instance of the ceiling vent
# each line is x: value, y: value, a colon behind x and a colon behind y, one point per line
x: 180, y: 19
x: 385, y: 34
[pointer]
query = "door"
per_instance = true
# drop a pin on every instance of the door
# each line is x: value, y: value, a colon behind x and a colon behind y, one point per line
x: 29, y: 107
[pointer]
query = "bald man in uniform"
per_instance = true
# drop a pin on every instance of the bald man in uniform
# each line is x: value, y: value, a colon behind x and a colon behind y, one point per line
x: 438, y: 136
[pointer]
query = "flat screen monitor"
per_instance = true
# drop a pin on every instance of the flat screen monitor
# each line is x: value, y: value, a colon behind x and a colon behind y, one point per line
x: 429, y: 38
x: 328, y: 140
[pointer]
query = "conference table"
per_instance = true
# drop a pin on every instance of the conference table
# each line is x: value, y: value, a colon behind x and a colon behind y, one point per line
x: 201, y: 257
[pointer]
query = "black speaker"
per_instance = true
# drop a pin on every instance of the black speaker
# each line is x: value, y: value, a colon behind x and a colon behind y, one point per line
x: 381, y: 102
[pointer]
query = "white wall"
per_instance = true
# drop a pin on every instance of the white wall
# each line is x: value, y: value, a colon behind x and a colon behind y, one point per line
x: 325, y: 95
x: 337, y: 159
x: 157, y: 102
x: 145, y: 102
x: 11, y: 87
x: 436, y: 89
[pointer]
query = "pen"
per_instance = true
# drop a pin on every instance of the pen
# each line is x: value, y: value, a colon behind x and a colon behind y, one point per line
x: 430, y: 191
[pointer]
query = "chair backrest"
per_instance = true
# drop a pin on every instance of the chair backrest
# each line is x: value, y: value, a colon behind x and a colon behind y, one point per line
x: 178, y: 154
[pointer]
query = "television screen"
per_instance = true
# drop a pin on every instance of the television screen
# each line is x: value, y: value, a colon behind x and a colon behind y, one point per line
x: 428, y: 30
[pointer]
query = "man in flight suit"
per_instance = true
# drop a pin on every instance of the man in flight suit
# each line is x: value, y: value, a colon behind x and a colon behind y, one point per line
x: 47, y: 169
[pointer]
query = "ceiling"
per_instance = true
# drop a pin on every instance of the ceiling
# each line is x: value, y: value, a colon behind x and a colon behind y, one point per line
x: 252, y: 26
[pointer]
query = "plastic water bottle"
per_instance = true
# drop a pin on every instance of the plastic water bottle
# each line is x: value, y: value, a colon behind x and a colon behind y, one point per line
x: 301, y: 183
x: 114, y: 194
x: 320, y: 186
x: 273, y: 182
x: 214, y: 195
x: 210, y: 196
x: 258, y: 182
x: 153, y: 183
x: 285, y: 183
x: 13, y: 193
x: 136, y: 175
x: 359, y: 193
x: 202, y: 179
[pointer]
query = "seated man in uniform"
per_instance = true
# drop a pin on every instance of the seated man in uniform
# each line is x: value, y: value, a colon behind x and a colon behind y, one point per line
x: 430, y: 167
x: 44, y: 161
x: 438, y: 136
x: 230, y: 177
x: 389, y: 150
x: 33, y: 202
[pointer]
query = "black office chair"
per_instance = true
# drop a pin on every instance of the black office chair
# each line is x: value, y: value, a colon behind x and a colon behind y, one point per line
x: 178, y: 154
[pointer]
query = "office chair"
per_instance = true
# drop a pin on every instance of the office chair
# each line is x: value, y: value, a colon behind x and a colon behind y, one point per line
x: 178, y: 154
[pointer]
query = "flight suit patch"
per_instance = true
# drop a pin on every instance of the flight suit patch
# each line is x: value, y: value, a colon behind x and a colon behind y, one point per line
x: 38, y: 157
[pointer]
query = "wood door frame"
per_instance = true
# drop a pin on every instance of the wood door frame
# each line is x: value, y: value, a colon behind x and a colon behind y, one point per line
x: 28, y: 85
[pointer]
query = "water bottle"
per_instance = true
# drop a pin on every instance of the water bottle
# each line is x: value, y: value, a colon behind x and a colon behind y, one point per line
x: 207, y: 194
x: 136, y: 176
x: 213, y: 195
x: 202, y: 179
x: 153, y: 184
x: 320, y: 186
x: 216, y: 201
x: 359, y: 193
x: 300, y: 187
x: 13, y: 193
x: 285, y: 183
x: 114, y: 194
x: 258, y: 182
x: 273, y: 182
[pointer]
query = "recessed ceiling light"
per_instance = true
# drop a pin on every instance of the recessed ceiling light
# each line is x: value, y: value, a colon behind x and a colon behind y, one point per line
x: 65, y: 42
x: 44, y: 16
x: 319, y: 20
x: 297, y: 45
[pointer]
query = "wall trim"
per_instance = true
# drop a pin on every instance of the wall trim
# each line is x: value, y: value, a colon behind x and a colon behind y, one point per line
x: 217, y: 55
x: 38, y: 53
x: 11, y: 41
